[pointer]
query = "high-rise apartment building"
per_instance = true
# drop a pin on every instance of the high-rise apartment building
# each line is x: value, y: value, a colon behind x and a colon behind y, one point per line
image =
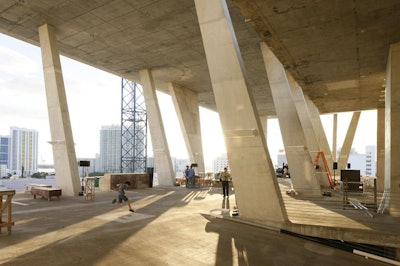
x: 24, y: 151
x: 110, y: 149
x: 220, y: 163
x: 179, y: 166
x: 370, y: 162
x: 5, y: 146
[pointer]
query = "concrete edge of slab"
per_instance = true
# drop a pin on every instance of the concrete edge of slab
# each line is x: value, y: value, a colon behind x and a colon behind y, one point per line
x: 225, y: 215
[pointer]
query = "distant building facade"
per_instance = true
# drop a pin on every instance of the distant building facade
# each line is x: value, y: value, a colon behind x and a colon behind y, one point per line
x: 5, y: 150
x: 24, y: 151
x: 180, y: 166
x: 370, y: 160
x: 366, y: 163
x: 110, y: 149
x: 3, y: 170
x: 85, y: 170
x: 220, y: 163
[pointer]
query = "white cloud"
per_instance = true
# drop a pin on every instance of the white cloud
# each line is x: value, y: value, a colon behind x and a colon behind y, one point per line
x: 16, y: 63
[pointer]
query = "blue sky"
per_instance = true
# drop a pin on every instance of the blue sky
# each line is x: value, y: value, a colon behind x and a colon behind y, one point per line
x: 94, y: 100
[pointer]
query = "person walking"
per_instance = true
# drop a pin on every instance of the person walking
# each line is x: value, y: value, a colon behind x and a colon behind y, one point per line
x: 121, y: 195
x: 225, y: 177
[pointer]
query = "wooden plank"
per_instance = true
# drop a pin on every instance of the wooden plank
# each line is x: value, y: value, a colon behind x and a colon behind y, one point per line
x: 29, y: 186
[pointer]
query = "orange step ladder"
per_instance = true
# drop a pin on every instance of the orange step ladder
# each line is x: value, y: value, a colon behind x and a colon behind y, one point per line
x: 328, y: 173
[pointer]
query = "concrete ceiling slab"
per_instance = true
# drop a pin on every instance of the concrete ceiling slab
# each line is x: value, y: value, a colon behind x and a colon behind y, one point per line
x: 336, y: 50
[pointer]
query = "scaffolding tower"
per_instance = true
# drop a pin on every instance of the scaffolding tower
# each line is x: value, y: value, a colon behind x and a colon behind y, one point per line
x: 133, y: 128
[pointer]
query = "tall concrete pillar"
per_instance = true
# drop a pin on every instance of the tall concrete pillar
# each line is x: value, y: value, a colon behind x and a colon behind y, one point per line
x: 162, y: 156
x: 257, y: 192
x: 65, y: 162
x: 320, y: 132
x: 392, y: 129
x: 380, y: 150
x: 264, y: 124
x: 187, y: 108
x: 309, y: 132
x: 334, y: 138
x: 301, y: 168
x: 348, y: 141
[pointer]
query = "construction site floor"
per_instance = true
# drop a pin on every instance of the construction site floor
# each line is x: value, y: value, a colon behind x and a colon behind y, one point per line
x: 170, y: 226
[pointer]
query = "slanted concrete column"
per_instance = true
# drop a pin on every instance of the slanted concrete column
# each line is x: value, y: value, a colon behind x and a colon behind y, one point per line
x: 187, y: 108
x: 334, y: 138
x: 348, y: 141
x: 319, y: 132
x: 308, y: 129
x: 300, y: 163
x: 162, y: 157
x: 65, y: 162
x: 264, y: 124
x: 319, y: 129
x: 304, y: 116
x: 380, y: 150
x: 392, y: 129
x: 256, y: 189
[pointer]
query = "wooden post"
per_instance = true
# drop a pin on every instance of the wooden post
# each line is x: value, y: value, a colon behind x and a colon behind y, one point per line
x: 7, y: 205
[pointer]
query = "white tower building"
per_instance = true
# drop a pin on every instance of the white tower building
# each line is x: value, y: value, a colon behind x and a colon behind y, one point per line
x: 24, y: 151
x: 110, y: 149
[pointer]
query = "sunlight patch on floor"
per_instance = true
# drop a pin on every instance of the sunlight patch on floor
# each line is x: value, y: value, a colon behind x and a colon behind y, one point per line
x: 123, y: 217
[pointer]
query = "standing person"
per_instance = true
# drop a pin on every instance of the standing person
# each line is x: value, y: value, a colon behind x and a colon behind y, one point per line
x: 186, y: 173
x: 121, y: 195
x: 225, y: 177
x: 191, y: 177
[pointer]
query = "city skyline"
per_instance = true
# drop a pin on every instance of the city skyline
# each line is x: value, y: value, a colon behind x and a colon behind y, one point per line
x: 94, y: 100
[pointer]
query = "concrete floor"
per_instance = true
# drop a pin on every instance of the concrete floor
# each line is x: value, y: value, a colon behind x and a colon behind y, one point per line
x: 171, y: 226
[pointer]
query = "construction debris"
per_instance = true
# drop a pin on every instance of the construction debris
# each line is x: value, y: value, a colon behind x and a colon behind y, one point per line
x: 292, y: 192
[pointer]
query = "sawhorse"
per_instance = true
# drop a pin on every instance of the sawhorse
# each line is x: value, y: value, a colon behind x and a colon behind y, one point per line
x: 6, y: 206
